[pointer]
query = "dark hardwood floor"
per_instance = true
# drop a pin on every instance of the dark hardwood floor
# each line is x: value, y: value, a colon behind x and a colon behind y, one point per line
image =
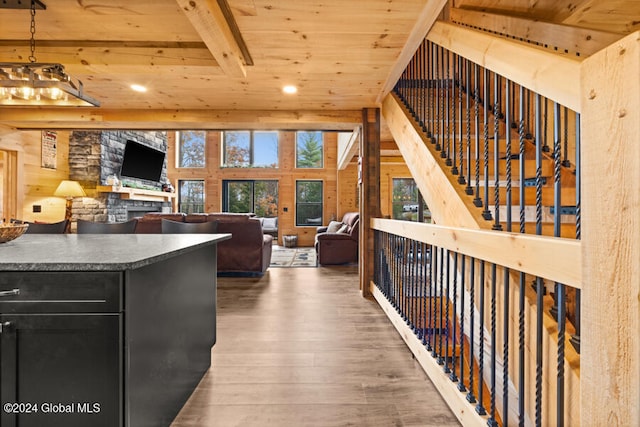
x: 301, y: 347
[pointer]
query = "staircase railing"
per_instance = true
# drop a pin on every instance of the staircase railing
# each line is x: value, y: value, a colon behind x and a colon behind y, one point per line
x: 493, y: 136
x: 450, y: 295
x: 602, y: 89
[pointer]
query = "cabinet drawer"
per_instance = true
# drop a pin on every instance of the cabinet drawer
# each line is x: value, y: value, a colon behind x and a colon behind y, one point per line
x: 60, y: 292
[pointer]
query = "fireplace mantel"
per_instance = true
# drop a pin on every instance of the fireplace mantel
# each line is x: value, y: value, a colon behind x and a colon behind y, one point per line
x: 137, y: 193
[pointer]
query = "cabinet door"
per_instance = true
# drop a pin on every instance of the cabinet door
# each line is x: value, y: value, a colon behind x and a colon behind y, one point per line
x: 60, y: 370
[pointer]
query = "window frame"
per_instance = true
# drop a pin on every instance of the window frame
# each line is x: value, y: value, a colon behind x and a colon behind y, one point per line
x: 252, y: 149
x: 179, y: 151
x: 297, y: 166
x: 225, y: 193
x: 204, y: 194
x: 297, y: 204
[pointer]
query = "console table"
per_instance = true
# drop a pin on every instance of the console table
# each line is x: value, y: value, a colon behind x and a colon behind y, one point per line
x: 104, y: 330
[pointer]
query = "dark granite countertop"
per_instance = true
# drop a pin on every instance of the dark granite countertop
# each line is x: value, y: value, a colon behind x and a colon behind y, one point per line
x: 97, y: 252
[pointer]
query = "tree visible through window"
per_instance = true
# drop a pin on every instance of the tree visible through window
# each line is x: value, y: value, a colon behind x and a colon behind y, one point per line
x: 243, y: 148
x: 191, y: 196
x: 191, y: 148
x: 259, y: 197
x: 308, y: 203
x: 309, y: 149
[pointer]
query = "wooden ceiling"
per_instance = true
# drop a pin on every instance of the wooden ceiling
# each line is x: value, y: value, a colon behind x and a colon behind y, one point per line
x: 342, y: 55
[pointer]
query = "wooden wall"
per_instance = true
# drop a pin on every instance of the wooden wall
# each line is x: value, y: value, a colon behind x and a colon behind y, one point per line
x: 286, y: 175
x: 34, y: 185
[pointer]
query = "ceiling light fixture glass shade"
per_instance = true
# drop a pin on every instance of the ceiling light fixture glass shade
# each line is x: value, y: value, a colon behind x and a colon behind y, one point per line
x: 31, y: 83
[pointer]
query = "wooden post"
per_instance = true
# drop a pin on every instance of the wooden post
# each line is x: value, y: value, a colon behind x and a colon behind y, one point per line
x: 610, y: 339
x: 369, y: 181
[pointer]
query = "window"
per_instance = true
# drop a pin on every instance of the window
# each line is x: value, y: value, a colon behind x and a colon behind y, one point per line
x: 407, y: 201
x: 309, y: 149
x: 255, y: 149
x: 259, y: 197
x: 308, y: 203
x: 191, y: 196
x: 191, y: 152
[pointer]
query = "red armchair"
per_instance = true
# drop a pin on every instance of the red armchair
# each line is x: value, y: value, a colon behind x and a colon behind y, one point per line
x: 339, y: 246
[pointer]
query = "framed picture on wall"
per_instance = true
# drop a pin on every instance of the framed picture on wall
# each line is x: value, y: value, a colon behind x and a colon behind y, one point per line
x: 49, y: 149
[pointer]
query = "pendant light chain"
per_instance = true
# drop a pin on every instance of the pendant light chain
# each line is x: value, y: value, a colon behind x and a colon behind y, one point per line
x: 32, y: 42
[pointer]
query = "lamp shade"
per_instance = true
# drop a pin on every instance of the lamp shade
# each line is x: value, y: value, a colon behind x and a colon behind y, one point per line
x: 69, y: 189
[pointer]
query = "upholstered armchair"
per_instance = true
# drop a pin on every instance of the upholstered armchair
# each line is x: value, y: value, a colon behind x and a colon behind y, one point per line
x: 337, y: 243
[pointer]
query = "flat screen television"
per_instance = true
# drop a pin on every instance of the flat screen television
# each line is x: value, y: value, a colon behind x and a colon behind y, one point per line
x: 141, y: 162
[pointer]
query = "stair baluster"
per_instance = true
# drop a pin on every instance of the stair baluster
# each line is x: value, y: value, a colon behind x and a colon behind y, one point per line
x: 477, y: 201
x: 454, y: 334
x: 472, y: 331
x: 440, y: 359
x: 461, y: 386
x: 479, y: 406
x: 522, y: 283
x: 565, y: 162
x: 486, y: 213
x: 467, y: 103
x: 445, y: 154
x: 447, y: 323
x: 496, y: 152
x: 439, y: 107
x: 492, y: 373
x: 459, y: 72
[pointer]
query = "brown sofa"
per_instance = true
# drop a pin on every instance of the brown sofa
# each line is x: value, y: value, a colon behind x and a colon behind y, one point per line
x: 338, y: 242
x: 248, y: 252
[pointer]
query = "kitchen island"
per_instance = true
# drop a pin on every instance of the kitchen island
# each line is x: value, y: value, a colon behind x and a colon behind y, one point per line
x: 104, y: 330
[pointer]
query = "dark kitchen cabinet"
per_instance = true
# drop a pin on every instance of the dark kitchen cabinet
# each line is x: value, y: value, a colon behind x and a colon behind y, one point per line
x: 60, y: 363
x: 117, y: 338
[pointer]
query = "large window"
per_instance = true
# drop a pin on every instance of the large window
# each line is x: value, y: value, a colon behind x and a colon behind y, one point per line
x: 309, y: 149
x: 191, y: 196
x: 259, y: 197
x: 255, y: 149
x: 191, y: 148
x: 308, y: 203
x: 407, y: 202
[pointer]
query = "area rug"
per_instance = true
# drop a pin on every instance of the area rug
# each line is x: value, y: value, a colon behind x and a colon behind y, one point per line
x: 292, y: 257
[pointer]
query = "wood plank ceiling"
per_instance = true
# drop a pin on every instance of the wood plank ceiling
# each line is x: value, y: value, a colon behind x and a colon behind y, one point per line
x: 342, y: 55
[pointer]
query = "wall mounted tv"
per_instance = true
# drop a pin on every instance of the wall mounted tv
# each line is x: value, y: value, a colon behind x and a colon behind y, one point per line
x: 141, y: 162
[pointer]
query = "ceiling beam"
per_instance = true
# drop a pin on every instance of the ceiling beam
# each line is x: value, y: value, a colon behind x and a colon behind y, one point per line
x: 346, y: 153
x: 212, y: 23
x: 562, y: 38
x: 87, y: 118
x: 554, y: 76
x: 423, y: 24
x: 112, y: 54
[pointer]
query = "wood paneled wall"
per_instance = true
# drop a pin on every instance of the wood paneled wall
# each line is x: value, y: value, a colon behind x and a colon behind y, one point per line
x: 286, y: 175
x: 34, y: 185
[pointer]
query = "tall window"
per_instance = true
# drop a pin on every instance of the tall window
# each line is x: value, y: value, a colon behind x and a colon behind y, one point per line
x: 191, y: 196
x: 407, y: 202
x: 309, y: 149
x: 308, y: 203
x: 256, y: 149
x: 191, y: 148
x: 259, y: 197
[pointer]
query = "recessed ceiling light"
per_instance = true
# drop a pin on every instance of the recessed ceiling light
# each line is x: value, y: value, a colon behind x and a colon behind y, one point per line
x: 290, y: 89
x: 138, y: 88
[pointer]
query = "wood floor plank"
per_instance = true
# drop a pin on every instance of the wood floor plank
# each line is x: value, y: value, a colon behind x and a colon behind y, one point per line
x: 301, y: 347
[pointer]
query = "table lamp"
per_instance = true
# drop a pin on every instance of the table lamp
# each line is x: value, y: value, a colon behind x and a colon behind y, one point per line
x: 69, y: 190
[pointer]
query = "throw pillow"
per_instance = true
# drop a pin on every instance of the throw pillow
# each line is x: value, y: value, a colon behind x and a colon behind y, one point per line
x: 271, y: 223
x: 334, y: 226
x: 344, y: 229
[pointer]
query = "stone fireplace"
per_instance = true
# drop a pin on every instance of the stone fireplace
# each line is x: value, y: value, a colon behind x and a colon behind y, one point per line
x: 96, y: 155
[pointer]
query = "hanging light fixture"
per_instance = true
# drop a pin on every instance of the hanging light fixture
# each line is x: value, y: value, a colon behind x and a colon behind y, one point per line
x: 33, y: 83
